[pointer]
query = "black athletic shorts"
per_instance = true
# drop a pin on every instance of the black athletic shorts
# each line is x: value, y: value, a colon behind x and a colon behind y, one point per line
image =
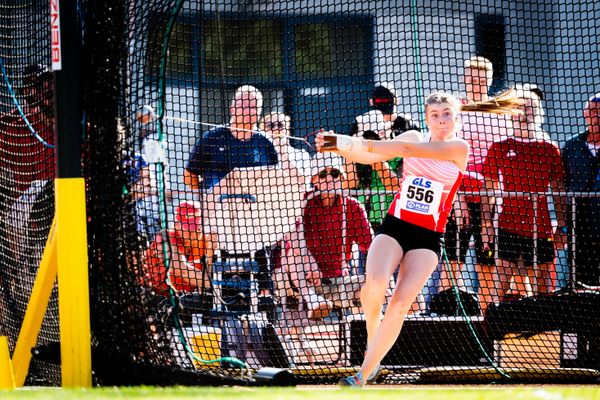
x: 457, y: 240
x: 511, y: 247
x: 411, y: 237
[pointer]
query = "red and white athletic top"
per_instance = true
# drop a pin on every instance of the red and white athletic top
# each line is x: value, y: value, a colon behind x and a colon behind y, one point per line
x: 427, y: 192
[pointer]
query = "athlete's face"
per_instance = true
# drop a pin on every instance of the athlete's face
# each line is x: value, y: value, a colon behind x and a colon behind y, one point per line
x: 442, y: 120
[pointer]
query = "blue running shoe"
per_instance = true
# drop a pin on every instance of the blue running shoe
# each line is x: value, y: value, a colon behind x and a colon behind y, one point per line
x: 351, y: 381
x: 373, y: 376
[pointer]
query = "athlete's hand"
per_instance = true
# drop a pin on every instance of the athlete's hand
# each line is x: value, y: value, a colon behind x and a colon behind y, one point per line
x: 322, y: 139
x: 329, y: 141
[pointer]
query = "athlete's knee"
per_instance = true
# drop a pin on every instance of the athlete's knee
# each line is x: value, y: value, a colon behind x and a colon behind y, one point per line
x: 377, y: 275
x: 376, y: 283
x: 372, y: 292
x: 399, y: 303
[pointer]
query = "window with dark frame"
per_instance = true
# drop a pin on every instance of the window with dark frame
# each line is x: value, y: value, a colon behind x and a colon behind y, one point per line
x: 490, y: 43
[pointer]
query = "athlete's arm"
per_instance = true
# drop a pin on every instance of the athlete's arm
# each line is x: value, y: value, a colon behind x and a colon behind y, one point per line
x: 356, y: 149
x: 456, y: 150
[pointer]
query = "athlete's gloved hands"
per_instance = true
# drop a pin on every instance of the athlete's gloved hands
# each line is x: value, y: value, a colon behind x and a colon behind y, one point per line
x: 330, y: 141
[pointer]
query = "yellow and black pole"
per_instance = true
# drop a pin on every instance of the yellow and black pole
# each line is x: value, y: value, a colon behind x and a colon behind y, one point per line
x: 71, y: 234
x: 36, y: 309
x: 65, y: 254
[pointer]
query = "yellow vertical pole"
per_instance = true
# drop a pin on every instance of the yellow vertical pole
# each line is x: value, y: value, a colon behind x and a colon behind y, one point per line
x: 36, y: 309
x: 73, y: 286
x: 7, y: 378
x: 73, y: 291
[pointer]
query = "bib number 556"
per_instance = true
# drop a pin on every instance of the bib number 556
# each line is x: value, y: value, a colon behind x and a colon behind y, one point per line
x: 419, y: 194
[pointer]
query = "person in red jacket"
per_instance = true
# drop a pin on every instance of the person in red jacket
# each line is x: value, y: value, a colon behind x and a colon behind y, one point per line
x: 189, y: 252
x: 526, y: 164
x: 27, y: 140
x: 319, y: 250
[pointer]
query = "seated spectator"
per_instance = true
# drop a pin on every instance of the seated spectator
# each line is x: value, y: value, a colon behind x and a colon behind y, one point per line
x: 189, y: 254
x: 581, y: 158
x: 277, y: 128
x: 27, y: 176
x: 318, y: 253
x: 28, y: 169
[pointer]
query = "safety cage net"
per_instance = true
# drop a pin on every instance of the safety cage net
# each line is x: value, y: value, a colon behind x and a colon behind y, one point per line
x: 221, y: 241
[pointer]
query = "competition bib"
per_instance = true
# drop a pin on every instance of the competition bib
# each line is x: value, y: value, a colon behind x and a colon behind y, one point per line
x: 421, y: 195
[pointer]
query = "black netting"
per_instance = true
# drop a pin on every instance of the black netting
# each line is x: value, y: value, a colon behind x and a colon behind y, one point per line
x: 220, y: 240
x: 27, y: 172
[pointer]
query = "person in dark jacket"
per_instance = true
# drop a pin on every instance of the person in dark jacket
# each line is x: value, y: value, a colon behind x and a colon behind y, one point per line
x: 581, y: 159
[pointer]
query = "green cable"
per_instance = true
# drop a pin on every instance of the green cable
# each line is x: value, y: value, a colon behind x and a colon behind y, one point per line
x: 468, y: 320
x: 415, y: 38
x: 161, y: 191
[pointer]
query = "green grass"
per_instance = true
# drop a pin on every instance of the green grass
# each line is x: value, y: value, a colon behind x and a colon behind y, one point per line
x: 404, y: 392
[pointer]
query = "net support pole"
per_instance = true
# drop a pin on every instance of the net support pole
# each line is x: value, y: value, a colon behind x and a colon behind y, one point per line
x: 7, y: 378
x: 73, y: 286
x: 36, y: 309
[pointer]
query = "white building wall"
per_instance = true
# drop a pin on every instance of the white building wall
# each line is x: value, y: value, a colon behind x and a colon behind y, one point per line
x: 576, y: 62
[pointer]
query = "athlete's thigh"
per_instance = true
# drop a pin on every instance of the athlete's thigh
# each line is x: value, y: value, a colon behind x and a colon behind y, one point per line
x: 384, y: 256
x: 415, y: 269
